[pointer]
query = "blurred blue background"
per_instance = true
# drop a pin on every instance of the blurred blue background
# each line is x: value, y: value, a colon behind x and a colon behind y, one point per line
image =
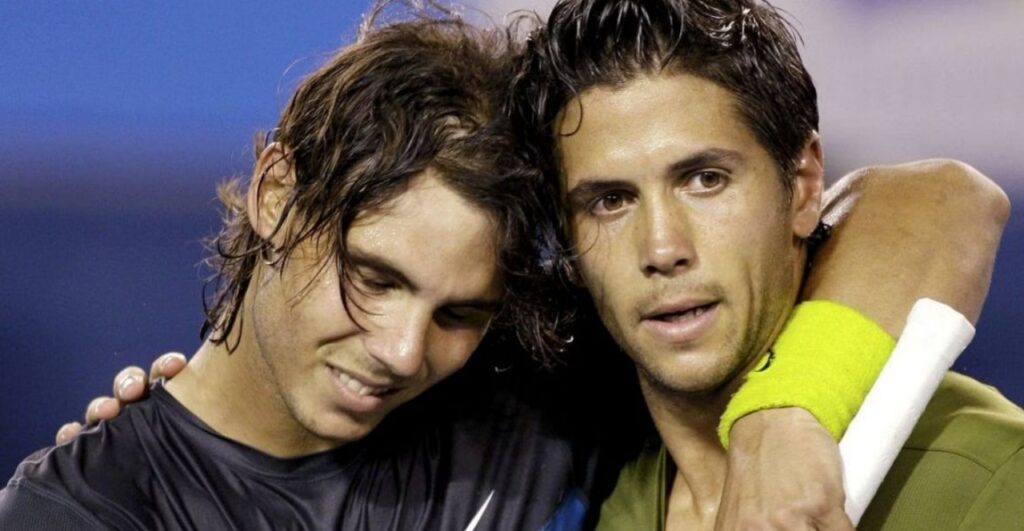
x: 117, y: 120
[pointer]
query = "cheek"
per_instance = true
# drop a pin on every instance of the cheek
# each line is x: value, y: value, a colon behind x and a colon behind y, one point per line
x: 316, y: 307
x: 763, y: 264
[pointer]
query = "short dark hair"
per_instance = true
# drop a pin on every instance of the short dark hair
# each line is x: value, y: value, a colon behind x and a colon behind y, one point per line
x: 407, y: 96
x: 745, y: 46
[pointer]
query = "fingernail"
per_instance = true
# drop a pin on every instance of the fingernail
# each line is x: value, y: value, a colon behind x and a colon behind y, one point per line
x: 165, y: 361
x: 61, y: 437
x: 125, y: 384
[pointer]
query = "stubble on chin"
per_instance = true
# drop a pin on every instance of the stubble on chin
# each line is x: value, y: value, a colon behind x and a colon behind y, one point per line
x: 704, y: 379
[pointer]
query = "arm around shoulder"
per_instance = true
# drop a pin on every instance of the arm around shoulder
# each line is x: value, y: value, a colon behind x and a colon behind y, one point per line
x: 902, y: 233
x: 923, y: 229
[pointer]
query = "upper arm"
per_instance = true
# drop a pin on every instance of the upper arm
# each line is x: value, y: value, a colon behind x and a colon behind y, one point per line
x: 923, y: 229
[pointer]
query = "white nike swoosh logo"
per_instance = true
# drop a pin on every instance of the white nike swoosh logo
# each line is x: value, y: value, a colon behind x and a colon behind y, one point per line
x: 480, y: 513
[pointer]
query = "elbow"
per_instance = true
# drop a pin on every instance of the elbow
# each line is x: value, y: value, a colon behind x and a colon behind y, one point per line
x: 947, y: 192
x: 941, y: 195
x: 976, y: 194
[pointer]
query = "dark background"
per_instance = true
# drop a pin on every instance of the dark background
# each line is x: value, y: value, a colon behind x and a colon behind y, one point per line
x: 117, y: 120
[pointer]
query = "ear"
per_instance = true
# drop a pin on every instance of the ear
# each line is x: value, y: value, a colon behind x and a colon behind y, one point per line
x: 272, y: 183
x: 808, y: 184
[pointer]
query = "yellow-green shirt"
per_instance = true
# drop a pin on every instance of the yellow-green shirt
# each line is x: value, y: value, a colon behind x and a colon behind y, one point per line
x: 961, y: 469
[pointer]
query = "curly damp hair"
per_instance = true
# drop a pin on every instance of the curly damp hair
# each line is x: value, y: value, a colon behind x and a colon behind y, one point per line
x: 745, y: 46
x: 426, y: 93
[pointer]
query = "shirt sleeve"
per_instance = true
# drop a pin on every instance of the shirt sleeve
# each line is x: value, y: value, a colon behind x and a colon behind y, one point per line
x: 29, y: 508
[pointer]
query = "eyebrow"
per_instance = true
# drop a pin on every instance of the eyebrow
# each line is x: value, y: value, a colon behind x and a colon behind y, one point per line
x: 707, y: 157
x: 595, y: 186
x: 383, y: 266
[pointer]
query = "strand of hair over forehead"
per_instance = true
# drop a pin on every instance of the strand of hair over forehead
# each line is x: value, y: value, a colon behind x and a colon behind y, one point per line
x: 538, y: 321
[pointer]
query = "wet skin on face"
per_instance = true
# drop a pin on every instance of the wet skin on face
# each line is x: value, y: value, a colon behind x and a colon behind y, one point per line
x: 425, y: 282
x: 690, y: 244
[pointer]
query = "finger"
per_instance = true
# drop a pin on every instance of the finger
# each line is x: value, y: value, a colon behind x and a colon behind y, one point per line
x: 101, y: 408
x: 130, y: 384
x: 167, y: 365
x: 68, y: 432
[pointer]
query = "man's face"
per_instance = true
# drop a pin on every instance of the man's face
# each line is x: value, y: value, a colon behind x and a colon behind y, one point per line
x: 424, y: 285
x: 689, y: 242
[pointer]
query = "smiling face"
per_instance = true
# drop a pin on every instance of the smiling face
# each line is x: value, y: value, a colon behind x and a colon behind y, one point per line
x: 425, y: 283
x: 690, y: 244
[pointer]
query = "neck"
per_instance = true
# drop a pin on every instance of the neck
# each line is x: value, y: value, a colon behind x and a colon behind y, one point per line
x: 233, y: 393
x: 688, y: 426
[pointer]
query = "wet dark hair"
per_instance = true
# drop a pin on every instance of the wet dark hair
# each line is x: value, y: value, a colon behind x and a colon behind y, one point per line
x: 745, y: 46
x: 405, y: 97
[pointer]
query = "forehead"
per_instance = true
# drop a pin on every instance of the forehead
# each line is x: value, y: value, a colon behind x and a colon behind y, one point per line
x: 649, y: 120
x: 433, y: 236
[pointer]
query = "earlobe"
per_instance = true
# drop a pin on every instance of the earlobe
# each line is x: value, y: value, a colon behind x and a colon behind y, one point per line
x: 808, y: 185
x: 272, y: 183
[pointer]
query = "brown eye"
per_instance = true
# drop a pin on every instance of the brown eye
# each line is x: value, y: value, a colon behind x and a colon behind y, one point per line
x: 611, y: 202
x: 705, y: 182
x: 608, y: 203
x: 709, y: 179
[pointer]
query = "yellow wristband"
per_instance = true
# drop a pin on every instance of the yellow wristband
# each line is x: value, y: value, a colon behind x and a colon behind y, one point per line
x: 825, y: 361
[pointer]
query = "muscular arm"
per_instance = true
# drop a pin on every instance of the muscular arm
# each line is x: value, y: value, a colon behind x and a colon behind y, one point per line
x: 923, y: 229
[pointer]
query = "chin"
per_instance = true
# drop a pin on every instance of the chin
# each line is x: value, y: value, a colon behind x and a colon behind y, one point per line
x: 336, y: 426
x: 692, y: 385
x: 344, y: 430
x: 691, y: 373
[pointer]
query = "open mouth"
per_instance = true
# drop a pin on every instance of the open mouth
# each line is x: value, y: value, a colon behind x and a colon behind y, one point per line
x: 691, y: 313
x: 359, y: 388
x: 681, y: 323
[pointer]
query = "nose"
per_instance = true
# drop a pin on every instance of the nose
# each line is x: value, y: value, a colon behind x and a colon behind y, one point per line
x: 400, y: 343
x: 666, y: 241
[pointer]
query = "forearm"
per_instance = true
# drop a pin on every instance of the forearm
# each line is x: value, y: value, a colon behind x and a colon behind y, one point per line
x: 924, y: 229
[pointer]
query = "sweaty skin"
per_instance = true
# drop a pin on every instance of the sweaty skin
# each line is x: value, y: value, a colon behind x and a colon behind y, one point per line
x: 767, y: 479
x: 304, y: 374
x: 948, y: 235
x: 957, y: 217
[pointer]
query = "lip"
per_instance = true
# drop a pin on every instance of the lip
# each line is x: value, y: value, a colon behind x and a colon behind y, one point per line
x: 681, y: 330
x: 676, y: 306
x: 351, y: 399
